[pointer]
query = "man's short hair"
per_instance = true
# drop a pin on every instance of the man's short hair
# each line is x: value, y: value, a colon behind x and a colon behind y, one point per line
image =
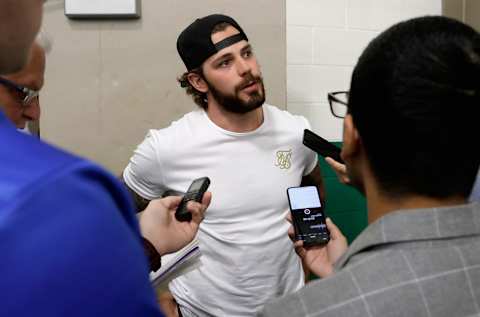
x: 415, y: 100
x: 200, y: 98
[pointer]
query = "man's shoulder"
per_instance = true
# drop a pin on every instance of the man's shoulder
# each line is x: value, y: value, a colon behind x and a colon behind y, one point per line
x: 392, y: 277
x: 28, y: 163
x: 23, y: 146
x: 335, y: 295
x: 384, y: 278
x: 179, y: 127
x: 47, y: 176
x: 280, y: 115
x: 29, y: 157
x: 73, y: 215
x: 372, y: 282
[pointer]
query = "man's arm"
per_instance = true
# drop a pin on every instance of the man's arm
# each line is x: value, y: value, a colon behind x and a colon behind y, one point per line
x: 140, y: 202
x: 315, y: 179
x: 157, y: 223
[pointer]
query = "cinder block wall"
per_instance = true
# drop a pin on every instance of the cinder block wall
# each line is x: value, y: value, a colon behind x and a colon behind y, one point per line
x: 324, y: 41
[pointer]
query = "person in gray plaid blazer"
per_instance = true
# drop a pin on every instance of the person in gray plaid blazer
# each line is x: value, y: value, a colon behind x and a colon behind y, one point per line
x: 475, y: 194
x: 410, y: 129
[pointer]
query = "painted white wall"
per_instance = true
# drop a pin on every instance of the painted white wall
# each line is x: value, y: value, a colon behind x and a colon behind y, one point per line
x: 109, y: 81
x: 325, y: 39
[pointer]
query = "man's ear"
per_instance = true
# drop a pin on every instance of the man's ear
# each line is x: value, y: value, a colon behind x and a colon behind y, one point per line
x: 197, y: 82
x: 351, y: 139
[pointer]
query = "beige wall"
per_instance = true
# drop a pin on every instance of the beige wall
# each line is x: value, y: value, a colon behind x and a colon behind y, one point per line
x: 467, y: 11
x: 108, y: 82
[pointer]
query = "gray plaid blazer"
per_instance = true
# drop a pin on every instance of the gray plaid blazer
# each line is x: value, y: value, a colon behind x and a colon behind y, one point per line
x: 421, y: 262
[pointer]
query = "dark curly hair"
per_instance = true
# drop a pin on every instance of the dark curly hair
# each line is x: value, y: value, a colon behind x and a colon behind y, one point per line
x: 200, y: 98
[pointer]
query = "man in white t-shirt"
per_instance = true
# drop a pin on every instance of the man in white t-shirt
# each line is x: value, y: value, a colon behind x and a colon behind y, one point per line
x: 252, y: 152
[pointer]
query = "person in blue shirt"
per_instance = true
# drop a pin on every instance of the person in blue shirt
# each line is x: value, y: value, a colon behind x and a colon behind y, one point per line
x: 69, y: 240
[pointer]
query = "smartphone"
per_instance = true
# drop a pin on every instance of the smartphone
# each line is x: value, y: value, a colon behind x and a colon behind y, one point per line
x: 195, y: 192
x: 321, y: 146
x: 308, y: 216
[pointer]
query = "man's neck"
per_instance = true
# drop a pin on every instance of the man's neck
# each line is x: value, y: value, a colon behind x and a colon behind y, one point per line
x: 380, y: 204
x: 235, y: 122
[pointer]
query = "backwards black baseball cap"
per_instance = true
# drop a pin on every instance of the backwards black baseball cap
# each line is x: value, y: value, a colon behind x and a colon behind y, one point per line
x: 195, y: 45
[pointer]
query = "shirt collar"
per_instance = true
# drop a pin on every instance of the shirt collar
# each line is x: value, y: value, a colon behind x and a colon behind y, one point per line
x: 417, y: 224
x: 4, y: 121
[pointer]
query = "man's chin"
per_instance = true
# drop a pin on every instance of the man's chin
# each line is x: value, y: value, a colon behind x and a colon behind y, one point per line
x: 254, y: 104
x: 244, y: 108
x: 254, y: 98
x: 21, y: 125
x: 244, y: 101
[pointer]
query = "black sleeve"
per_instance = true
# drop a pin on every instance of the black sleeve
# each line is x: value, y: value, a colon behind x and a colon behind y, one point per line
x: 152, y: 255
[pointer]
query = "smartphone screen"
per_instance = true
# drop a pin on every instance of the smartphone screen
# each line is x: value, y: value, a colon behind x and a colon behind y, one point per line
x: 307, y: 215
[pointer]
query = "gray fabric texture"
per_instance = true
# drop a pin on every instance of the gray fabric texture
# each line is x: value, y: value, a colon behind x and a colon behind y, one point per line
x: 422, y: 262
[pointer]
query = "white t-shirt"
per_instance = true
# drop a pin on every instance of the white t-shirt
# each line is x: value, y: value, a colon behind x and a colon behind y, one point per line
x: 247, y: 257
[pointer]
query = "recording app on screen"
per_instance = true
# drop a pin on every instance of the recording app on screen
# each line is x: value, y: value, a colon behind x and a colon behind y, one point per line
x: 304, y: 197
x: 307, y: 215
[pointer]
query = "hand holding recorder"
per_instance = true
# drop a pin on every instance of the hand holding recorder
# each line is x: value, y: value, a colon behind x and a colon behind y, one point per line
x: 159, y: 225
x: 194, y: 193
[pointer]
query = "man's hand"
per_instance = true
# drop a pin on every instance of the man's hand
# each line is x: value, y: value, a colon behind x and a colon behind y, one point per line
x: 320, y: 259
x: 339, y: 169
x: 159, y: 226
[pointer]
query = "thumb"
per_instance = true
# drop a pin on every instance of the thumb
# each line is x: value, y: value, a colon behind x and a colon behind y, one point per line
x: 171, y: 202
x: 289, y: 217
x: 198, y: 209
x: 335, y: 233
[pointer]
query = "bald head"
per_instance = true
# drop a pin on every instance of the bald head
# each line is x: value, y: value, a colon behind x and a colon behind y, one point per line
x: 36, y: 61
x: 19, y: 23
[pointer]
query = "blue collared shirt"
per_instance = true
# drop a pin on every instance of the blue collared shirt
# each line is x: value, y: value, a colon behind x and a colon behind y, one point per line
x: 69, y: 239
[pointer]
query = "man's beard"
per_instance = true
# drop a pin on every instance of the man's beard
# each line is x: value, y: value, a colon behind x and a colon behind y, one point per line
x: 233, y: 103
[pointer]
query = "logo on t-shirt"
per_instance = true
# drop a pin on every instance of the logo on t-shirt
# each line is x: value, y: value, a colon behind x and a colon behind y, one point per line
x: 284, y: 159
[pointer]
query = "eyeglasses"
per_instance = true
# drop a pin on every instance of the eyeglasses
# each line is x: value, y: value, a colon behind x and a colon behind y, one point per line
x: 27, y: 95
x: 338, y: 101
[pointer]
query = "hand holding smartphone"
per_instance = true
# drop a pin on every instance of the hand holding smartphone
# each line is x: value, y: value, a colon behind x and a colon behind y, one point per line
x: 195, y: 192
x: 321, y: 146
x: 308, y: 216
